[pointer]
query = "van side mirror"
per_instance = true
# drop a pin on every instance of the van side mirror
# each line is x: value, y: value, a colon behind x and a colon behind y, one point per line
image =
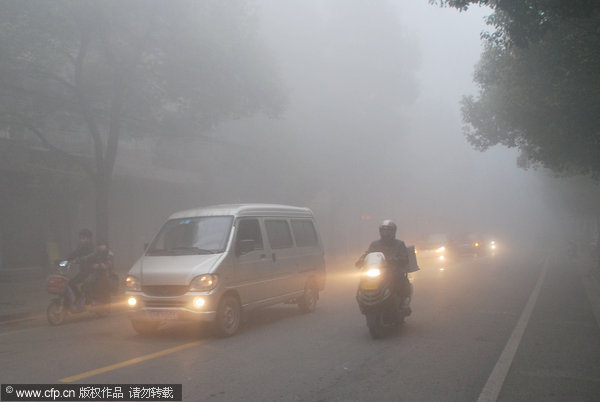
x: 244, y: 246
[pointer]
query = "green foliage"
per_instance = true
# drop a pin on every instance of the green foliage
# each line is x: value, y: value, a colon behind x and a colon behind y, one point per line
x: 540, y: 84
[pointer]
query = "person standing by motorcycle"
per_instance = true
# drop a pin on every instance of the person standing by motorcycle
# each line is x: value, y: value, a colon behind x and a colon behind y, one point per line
x: 84, y: 248
x: 396, y: 256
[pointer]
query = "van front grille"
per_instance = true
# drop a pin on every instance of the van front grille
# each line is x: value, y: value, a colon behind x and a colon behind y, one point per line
x: 166, y: 290
x: 165, y: 303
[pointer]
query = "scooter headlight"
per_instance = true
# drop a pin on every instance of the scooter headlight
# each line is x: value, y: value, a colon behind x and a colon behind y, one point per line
x: 373, y: 272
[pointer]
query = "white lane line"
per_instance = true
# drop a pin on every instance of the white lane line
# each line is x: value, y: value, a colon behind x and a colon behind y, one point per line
x: 492, y: 387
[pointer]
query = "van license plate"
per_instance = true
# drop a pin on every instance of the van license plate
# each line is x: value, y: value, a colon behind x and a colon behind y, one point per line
x: 164, y: 315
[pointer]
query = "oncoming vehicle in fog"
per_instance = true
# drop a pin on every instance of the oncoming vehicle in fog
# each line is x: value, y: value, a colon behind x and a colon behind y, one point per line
x: 214, y: 264
x: 476, y: 245
x: 435, y: 251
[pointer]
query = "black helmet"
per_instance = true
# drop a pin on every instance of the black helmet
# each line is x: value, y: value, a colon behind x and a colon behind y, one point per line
x: 385, y: 228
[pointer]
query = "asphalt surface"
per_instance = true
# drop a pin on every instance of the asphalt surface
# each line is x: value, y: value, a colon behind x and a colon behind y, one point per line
x: 463, y: 319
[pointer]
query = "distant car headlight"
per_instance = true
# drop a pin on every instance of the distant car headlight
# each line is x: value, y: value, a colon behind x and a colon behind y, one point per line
x: 441, y: 249
x: 204, y: 283
x: 132, y: 283
x: 373, y: 272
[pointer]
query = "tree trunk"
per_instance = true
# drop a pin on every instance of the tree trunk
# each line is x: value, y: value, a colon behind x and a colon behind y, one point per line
x: 102, y: 210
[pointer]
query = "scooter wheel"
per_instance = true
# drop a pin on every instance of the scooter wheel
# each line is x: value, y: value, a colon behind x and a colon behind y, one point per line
x: 375, y: 325
x: 56, y: 313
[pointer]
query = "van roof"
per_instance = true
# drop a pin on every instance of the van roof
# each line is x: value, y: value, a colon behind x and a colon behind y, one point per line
x: 244, y: 210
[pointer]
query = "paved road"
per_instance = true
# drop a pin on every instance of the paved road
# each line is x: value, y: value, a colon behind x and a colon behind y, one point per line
x: 464, y: 318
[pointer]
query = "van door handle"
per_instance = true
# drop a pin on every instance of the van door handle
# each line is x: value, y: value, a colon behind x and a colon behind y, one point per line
x: 273, y: 256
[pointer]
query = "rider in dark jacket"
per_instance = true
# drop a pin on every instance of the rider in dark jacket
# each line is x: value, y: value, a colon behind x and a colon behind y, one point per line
x: 101, y: 263
x: 396, y: 255
x: 85, y: 247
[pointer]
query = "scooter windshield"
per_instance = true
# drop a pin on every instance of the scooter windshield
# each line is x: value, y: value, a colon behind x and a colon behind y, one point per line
x: 375, y: 260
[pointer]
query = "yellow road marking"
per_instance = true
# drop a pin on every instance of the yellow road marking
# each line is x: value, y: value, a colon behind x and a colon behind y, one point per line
x: 131, y: 362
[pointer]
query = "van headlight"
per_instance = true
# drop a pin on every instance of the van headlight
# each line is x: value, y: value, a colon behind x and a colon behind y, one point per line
x: 204, y: 283
x: 132, y: 283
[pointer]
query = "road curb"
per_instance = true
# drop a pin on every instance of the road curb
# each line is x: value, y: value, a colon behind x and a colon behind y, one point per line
x: 118, y: 304
x: 7, y: 318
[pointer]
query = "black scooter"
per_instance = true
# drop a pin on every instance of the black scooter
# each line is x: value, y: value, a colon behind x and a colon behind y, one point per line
x: 67, y: 302
x: 377, y: 299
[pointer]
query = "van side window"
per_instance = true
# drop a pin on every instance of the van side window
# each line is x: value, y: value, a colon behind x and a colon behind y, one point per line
x: 279, y: 234
x: 249, y: 229
x: 304, y: 233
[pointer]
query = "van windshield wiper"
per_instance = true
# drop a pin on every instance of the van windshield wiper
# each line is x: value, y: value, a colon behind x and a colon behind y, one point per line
x: 196, y: 250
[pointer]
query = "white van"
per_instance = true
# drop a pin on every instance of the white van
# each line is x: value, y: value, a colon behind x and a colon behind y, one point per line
x: 215, y: 263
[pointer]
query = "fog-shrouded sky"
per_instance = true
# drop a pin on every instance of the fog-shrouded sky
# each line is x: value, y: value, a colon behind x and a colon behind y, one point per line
x: 372, y: 127
x: 373, y: 114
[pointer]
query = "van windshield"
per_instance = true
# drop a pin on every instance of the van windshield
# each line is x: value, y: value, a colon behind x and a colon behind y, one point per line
x: 192, y: 236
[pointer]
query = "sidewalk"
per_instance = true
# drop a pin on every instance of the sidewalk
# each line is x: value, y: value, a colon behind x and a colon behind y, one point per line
x: 23, y: 293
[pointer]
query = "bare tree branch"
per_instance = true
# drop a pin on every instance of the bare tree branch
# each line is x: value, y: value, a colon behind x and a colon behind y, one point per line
x: 78, y: 161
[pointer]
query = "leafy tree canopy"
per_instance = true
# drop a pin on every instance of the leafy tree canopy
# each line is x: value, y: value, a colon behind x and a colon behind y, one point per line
x: 540, y: 83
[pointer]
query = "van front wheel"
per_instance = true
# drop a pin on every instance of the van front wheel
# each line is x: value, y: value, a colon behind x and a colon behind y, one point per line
x: 308, y: 301
x: 229, y: 316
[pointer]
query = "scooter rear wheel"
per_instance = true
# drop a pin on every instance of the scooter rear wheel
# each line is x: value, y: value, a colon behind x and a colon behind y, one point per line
x: 56, y: 313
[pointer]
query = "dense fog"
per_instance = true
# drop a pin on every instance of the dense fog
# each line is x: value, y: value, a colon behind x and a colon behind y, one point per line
x: 348, y: 107
x: 372, y: 129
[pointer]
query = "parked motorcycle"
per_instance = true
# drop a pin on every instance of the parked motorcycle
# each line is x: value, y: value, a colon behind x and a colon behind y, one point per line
x: 66, y: 302
x: 377, y: 299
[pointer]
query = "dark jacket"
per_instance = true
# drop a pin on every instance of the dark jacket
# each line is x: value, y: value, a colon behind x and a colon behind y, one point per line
x: 394, y: 250
x: 81, y: 251
x: 100, y: 260
x: 101, y: 264
x: 79, y: 255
